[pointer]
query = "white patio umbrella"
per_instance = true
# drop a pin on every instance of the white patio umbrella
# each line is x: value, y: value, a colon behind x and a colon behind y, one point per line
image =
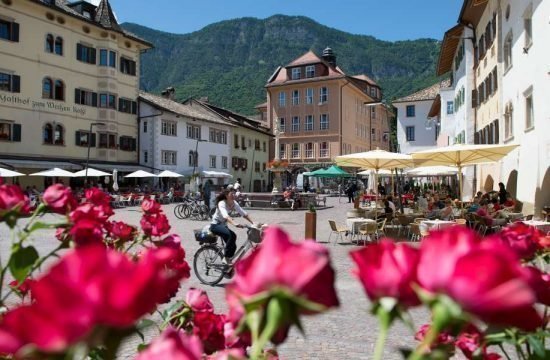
x: 91, y: 173
x: 115, y: 180
x: 461, y: 155
x: 140, y: 174
x: 55, y: 172
x: 9, y: 173
x: 216, y: 174
x: 432, y: 171
x: 169, y: 174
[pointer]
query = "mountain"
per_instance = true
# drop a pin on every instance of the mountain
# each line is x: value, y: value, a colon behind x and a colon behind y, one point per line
x: 230, y: 61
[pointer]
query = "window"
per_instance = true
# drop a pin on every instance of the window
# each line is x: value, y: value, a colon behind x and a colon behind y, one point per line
x: 296, y: 73
x: 127, y: 143
x: 9, y: 30
x: 309, y: 96
x: 528, y: 29
x: 373, y: 92
x: 59, y: 90
x: 295, y: 150
x: 323, y: 95
x: 168, y: 157
x: 9, y: 82
x: 107, y: 58
x: 145, y: 157
x: 127, y: 66
x: 282, y: 99
x: 243, y: 143
x: 107, y: 101
x: 508, y: 51
x: 223, y: 137
x: 282, y: 125
x: 212, y: 161
x: 373, y: 134
x: 264, y: 146
x: 295, y: 124
x: 218, y: 136
x: 193, y: 158
x: 309, y: 150
x: 169, y: 128
x: 10, y: 132
x: 295, y: 97
x: 47, y: 136
x: 224, y: 162
x: 257, y: 144
x: 508, y: 121
x: 256, y: 166
x: 323, y: 150
x: 310, y: 71
x: 282, y: 151
x: 193, y: 131
x: 85, y: 97
x: 58, y: 135
x: 373, y: 112
x: 236, y: 141
x: 107, y: 140
x: 86, y: 54
x: 529, y: 111
x: 47, y: 87
x: 49, y: 43
x: 59, y: 46
x: 145, y: 126
x: 82, y: 138
x: 127, y: 106
x: 411, y: 111
x: 410, y: 133
x: 309, y: 123
x: 323, y: 123
x: 450, y: 107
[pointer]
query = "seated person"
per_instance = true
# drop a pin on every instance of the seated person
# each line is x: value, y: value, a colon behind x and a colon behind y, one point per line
x: 490, y: 220
x: 447, y: 212
x: 509, y: 204
x: 438, y: 203
x: 496, y: 204
x: 422, y: 203
x: 289, y: 197
x: 474, y: 206
x: 388, y: 211
x: 389, y: 199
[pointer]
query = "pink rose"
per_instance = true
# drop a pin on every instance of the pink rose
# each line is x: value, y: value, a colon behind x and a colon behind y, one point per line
x: 209, y: 327
x: 24, y: 288
x: 122, y: 231
x: 198, y: 300
x: 86, y: 231
x: 439, y: 253
x: 444, y: 338
x: 155, y: 224
x: 13, y: 203
x: 229, y: 354
x: 173, y: 344
x: 301, y: 269
x: 150, y: 206
x: 59, y: 199
x: 470, y: 341
x: 97, y: 197
x: 539, y: 282
x: 521, y: 238
x: 388, y: 270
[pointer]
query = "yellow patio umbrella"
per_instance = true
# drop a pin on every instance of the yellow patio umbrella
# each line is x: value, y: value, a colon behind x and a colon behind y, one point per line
x: 462, y: 155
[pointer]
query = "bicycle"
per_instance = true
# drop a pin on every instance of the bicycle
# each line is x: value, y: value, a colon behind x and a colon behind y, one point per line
x: 208, y: 262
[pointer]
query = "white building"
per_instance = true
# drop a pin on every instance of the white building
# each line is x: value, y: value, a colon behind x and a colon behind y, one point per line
x: 415, y: 131
x: 182, y: 138
x: 525, y: 104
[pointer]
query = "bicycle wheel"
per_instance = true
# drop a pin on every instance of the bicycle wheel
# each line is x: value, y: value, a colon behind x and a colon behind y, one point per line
x: 208, y: 265
x: 186, y: 211
x: 205, y: 213
x: 178, y: 211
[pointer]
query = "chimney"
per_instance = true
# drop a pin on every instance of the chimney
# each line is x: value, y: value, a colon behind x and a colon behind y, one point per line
x: 169, y: 93
x: 329, y: 57
x: 204, y: 99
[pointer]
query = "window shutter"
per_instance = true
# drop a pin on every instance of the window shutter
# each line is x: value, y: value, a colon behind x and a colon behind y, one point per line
x: 134, y: 144
x: 132, y: 68
x: 92, y: 55
x: 15, y: 32
x: 77, y: 138
x: 94, y: 99
x: 77, y: 96
x: 497, y: 140
x: 16, y: 83
x: 92, y: 142
x: 134, y: 107
x: 79, y: 52
x: 119, y: 104
x: 16, y: 136
x: 474, y: 98
x: 476, y: 138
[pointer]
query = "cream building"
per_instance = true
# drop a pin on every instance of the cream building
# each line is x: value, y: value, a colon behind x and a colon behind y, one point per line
x: 66, y: 68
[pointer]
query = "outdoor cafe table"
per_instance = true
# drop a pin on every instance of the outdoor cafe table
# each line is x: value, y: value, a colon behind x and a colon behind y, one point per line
x: 355, y: 223
x: 543, y: 226
x: 436, y: 224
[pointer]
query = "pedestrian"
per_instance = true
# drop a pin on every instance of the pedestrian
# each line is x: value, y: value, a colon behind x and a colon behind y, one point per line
x: 207, y: 190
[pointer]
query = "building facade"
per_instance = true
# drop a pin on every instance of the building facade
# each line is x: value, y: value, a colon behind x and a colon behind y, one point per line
x: 183, y: 138
x: 322, y: 113
x: 249, y: 150
x: 67, y: 68
x: 416, y: 131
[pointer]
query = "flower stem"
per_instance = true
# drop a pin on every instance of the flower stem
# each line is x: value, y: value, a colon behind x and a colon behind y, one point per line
x: 385, y: 322
x: 504, y: 351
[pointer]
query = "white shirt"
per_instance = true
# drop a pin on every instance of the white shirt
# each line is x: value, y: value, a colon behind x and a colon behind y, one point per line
x: 222, y: 213
x: 237, y: 186
x: 392, y: 205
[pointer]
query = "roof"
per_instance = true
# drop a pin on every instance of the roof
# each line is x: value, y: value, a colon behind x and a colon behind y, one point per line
x: 104, y: 17
x: 429, y: 93
x: 308, y: 58
x: 471, y: 11
x: 179, y: 108
x: 435, y: 109
x: 234, y: 118
x: 260, y: 106
x: 365, y: 78
x: 448, y: 49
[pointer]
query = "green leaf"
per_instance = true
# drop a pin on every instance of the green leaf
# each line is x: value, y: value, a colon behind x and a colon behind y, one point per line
x: 142, y: 347
x: 22, y: 261
x: 537, y: 345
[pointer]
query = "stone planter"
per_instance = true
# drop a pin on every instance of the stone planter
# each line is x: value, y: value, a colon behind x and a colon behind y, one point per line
x: 311, y: 225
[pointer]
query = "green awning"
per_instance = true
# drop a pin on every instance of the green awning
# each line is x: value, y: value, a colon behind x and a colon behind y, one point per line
x: 333, y: 171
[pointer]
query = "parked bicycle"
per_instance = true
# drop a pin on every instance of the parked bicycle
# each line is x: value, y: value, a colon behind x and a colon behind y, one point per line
x: 208, y: 262
x: 192, y: 209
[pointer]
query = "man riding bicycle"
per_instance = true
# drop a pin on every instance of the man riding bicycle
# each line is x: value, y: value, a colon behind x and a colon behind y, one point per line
x: 225, y: 202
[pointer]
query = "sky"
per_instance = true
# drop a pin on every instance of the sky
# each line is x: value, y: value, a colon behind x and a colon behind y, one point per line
x: 389, y: 20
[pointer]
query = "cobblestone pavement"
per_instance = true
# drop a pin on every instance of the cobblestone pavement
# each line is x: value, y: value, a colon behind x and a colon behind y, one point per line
x: 348, y: 332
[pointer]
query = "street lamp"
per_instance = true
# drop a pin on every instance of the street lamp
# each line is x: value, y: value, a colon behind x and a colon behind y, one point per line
x: 196, y: 155
x: 89, y: 143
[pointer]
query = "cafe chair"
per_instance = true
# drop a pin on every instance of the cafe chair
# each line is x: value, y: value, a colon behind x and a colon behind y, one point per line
x: 369, y: 230
x: 338, y: 230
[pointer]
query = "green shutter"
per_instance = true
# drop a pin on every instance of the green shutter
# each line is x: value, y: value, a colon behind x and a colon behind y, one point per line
x: 16, y: 133
x: 15, y: 32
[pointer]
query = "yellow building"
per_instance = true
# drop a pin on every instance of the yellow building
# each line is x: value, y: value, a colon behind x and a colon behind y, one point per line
x: 66, y: 68
x: 322, y: 113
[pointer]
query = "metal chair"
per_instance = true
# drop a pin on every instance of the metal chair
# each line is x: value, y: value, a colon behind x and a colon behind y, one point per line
x: 368, y: 229
x: 338, y: 230
x: 380, y: 225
